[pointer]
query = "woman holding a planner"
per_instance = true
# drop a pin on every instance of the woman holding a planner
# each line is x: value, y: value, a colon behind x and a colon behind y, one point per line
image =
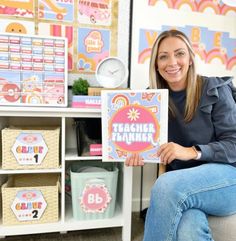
x: 200, y: 155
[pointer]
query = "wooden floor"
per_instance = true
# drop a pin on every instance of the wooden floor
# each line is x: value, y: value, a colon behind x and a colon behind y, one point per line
x: 108, y: 234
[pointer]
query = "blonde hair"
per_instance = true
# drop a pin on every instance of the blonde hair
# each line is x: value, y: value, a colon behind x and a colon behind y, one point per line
x: 194, y: 82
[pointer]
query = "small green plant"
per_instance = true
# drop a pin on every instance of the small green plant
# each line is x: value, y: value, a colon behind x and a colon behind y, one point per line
x: 80, y: 87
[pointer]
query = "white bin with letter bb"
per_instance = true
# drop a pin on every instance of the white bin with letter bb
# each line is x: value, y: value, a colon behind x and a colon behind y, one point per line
x: 93, y: 186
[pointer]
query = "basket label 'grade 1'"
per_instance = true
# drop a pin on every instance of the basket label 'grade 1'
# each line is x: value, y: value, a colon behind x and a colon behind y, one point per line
x: 29, y: 149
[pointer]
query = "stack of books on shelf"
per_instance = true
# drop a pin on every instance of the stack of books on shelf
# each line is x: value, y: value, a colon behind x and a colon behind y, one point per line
x: 92, y: 100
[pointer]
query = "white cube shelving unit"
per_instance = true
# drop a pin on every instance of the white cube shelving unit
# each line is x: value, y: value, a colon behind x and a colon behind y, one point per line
x: 63, y: 117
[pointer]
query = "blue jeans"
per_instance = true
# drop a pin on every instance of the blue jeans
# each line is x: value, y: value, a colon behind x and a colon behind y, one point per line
x: 182, y: 199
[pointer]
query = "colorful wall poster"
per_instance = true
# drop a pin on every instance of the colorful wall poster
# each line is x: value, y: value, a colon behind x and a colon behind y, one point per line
x: 93, y: 46
x: 17, y: 26
x: 133, y: 121
x: 208, y: 45
x: 59, y: 10
x: 59, y: 30
x: 213, y: 7
x: 23, y: 13
x: 97, y: 12
x: 17, y: 8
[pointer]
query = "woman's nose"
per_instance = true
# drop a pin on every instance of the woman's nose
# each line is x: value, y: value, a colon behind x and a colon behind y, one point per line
x: 172, y: 60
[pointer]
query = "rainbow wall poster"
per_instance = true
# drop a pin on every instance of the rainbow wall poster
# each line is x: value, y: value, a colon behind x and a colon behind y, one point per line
x: 201, y: 6
x: 208, y: 45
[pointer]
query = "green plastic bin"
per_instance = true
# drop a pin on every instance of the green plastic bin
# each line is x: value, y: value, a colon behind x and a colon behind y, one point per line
x: 93, y: 188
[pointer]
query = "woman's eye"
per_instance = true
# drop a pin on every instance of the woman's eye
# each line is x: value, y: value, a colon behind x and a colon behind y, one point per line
x: 180, y: 54
x: 163, y: 57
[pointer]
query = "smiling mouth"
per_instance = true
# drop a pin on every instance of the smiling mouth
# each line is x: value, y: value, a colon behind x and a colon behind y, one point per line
x: 172, y: 71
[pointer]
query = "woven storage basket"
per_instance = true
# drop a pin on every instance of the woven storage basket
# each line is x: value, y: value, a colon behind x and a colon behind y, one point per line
x: 47, y: 184
x: 51, y: 138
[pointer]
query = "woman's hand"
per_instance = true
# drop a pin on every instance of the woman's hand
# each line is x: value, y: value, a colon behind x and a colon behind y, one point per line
x: 134, y: 160
x: 170, y: 151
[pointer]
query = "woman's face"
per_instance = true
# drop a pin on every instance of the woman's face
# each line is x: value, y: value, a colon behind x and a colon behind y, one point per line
x: 173, y: 60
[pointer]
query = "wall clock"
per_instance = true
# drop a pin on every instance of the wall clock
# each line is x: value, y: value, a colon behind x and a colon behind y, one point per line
x: 111, y: 72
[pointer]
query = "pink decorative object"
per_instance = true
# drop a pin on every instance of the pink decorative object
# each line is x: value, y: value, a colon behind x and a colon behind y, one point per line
x: 85, y: 101
x: 95, y: 198
x: 95, y: 149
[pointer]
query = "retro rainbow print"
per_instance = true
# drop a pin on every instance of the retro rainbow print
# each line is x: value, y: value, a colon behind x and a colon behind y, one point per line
x: 218, y: 7
x: 208, y: 45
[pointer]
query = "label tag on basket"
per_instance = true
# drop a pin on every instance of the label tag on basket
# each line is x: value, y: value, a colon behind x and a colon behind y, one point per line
x: 28, y: 205
x: 95, y: 198
x: 29, y: 149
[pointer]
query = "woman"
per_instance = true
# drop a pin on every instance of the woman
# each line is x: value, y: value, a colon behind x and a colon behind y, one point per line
x: 201, y: 150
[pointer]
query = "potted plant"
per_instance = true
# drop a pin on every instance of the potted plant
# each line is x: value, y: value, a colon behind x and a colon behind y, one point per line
x: 80, y: 87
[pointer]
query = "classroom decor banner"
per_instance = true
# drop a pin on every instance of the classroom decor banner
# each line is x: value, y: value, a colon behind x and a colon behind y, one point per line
x: 214, y: 41
x: 133, y: 121
x: 89, y: 25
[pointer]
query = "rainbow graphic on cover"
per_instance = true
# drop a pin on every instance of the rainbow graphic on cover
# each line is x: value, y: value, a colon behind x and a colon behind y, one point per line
x: 133, y: 121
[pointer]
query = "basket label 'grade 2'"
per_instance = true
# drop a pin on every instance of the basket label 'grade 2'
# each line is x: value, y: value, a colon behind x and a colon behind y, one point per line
x: 28, y: 205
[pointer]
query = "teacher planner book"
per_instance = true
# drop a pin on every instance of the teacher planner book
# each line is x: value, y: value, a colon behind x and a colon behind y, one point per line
x: 133, y: 121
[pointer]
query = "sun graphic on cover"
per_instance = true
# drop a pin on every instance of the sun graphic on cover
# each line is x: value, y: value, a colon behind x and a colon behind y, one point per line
x: 133, y: 114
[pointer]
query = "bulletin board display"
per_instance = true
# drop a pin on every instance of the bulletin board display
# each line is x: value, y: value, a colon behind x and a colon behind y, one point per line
x: 90, y: 27
x: 33, y: 70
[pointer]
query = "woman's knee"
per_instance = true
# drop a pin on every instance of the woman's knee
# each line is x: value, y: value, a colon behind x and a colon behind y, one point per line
x: 167, y: 185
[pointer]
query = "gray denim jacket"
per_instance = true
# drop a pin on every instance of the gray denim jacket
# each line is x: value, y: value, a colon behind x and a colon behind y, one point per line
x: 213, y: 128
x: 218, y: 102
